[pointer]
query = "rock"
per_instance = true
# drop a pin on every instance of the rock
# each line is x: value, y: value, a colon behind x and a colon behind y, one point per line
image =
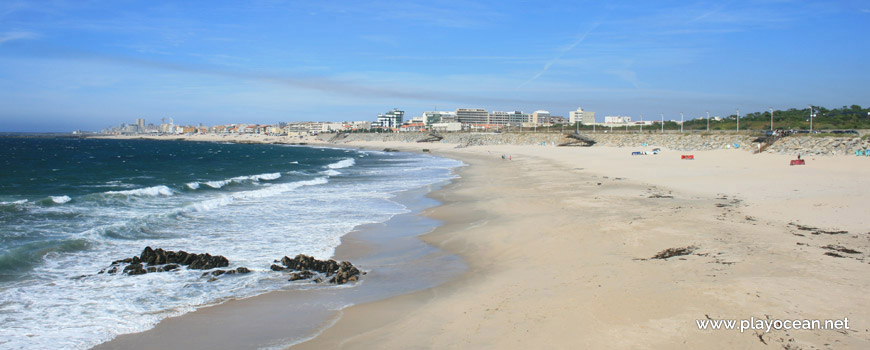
x: 276, y: 268
x: 300, y: 275
x: 134, y: 269
x: 172, y: 261
x: 308, y: 266
x: 242, y: 270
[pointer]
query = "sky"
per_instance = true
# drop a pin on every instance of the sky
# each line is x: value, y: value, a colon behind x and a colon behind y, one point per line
x: 86, y: 64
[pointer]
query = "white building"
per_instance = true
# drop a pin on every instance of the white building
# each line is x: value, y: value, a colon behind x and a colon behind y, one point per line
x: 581, y: 116
x: 432, y: 117
x: 453, y: 126
x: 509, y: 118
x: 617, y: 120
x: 391, y: 119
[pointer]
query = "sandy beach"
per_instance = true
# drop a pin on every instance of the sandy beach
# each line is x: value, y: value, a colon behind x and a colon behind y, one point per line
x: 559, y: 244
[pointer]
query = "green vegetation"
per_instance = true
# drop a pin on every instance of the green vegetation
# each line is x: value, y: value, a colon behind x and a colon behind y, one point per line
x: 847, y: 117
x: 853, y: 117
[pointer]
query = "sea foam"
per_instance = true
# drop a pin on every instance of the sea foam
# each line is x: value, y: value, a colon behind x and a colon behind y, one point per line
x: 344, y: 163
x: 153, y: 191
x: 60, y: 199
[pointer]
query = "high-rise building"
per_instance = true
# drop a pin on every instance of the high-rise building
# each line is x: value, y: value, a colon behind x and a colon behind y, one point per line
x: 140, y: 123
x: 391, y: 119
x: 581, y: 116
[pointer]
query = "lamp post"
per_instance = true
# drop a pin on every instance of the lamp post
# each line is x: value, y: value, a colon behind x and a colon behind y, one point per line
x: 771, y: 118
x: 681, y: 122
x: 663, y: 123
x: 708, y: 121
x: 738, y: 120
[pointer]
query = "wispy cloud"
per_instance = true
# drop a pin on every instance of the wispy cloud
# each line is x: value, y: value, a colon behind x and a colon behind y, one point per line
x: 10, y: 36
x: 559, y: 56
x: 358, y: 88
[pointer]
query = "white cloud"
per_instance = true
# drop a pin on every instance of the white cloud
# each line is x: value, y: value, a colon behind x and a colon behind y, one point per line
x: 10, y: 36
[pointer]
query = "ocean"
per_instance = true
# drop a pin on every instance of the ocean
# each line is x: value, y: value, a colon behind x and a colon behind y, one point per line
x: 69, y: 207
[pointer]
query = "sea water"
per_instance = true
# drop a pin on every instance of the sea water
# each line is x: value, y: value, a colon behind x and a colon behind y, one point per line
x: 69, y: 207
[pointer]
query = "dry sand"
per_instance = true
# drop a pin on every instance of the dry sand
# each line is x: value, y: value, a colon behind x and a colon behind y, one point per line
x: 559, y: 240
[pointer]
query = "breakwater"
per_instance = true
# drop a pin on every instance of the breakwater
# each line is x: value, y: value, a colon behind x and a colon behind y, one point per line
x: 796, y: 144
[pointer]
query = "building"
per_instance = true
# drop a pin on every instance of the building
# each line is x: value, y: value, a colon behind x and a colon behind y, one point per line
x: 391, y: 119
x: 617, y: 120
x: 452, y: 126
x: 515, y: 118
x: 581, y: 116
x: 432, y: 117
x: 538, y: 117
x: 140, y: 123
x: 472, y: 116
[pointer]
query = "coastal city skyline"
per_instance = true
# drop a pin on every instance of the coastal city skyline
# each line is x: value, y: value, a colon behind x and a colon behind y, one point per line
x: 70, y: 65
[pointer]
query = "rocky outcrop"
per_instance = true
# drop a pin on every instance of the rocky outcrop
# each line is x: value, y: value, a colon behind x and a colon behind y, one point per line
x: 159, y: 260
x: 304, y: 267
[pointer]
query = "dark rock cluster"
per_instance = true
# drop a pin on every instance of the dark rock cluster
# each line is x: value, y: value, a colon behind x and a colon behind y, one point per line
x: 307, y: 267
x: 169, y: 261
x: 302, y: 267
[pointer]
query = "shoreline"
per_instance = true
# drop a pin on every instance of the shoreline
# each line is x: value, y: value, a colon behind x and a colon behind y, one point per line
x: 558, y: 243
x: 390, y: 251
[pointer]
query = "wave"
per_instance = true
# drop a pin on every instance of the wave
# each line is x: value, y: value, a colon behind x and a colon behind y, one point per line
x: 24, y: 258
x: 344, y: 163
x: 60, y: 199
x: 13, y: 203
x: 331, y: 172
x: 213, y: 203
x: 237, y: 179
x: 193, y: 185
x: 153, y: 191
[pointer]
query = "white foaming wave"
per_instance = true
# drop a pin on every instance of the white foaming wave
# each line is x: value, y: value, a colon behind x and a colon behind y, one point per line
x: 14, y: 202
x: 273, y: 190
x: 331, y: 172
x: 193, y: 185
x: 217, y: 184
x: 270, y: 176
x: 294, y: 162
x: 60, y: 199
x: 344, y: 163
x: 153, y: 191
x: 239, y: 179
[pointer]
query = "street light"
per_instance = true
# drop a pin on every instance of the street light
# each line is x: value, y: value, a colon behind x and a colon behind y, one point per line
x: 681, y: 122
x: 663, y: 123
x: 771, y: 118
x: 708, y: 121
x: 738, y: 120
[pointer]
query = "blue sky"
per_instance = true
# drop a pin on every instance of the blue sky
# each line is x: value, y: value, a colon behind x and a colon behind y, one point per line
x: 67, y: 65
